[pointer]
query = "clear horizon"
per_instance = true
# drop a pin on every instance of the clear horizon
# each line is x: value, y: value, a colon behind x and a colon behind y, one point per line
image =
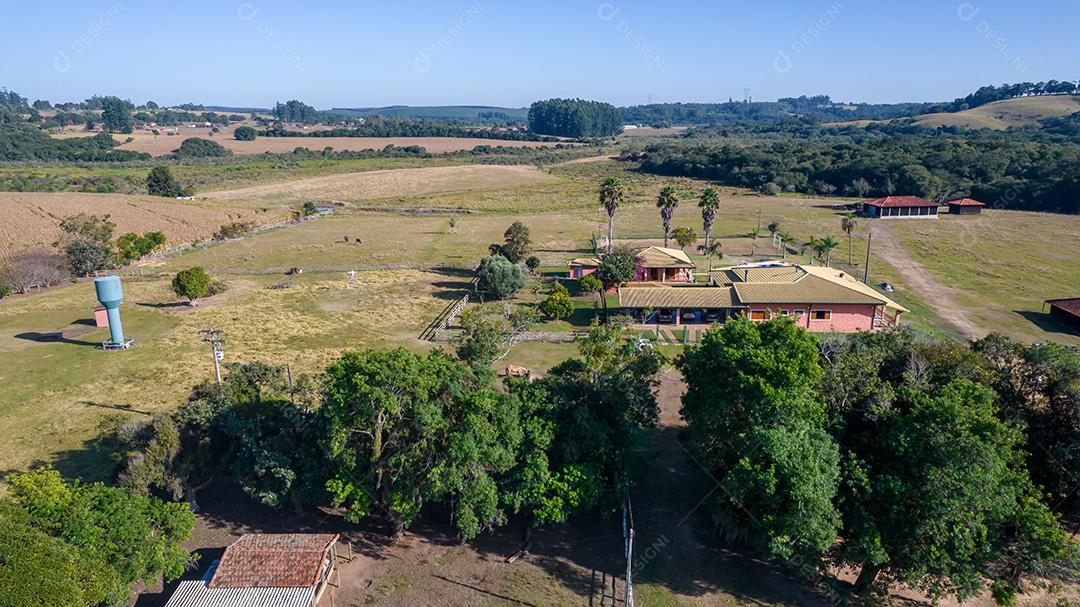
x: 480, y: 52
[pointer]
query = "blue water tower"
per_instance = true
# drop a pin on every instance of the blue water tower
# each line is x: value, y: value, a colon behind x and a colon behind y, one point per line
x: 110, y: 295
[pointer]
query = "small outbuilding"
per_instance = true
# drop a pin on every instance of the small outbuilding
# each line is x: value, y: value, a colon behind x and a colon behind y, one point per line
x: 965, y: 206
x: 263, y: 570
x: 1066, y: 311
x: 583, y: 266
x: 900, y: 207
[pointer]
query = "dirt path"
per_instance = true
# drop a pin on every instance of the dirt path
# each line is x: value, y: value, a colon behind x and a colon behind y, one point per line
x: 940, y: 296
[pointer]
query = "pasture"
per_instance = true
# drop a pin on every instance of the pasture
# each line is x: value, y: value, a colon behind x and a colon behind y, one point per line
x: 394, y: 230
x: 32, y: 219
x: 1000, y: 115
x: 412, y: 264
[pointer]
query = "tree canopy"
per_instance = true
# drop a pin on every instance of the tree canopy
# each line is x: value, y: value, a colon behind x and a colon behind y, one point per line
x: 500, y: 278
x: 574, y: 118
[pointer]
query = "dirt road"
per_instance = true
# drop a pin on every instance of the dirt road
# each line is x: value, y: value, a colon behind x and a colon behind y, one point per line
x: 919, y: 279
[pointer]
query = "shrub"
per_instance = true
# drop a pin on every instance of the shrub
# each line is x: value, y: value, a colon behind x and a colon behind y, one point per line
x: 309, y: 209
x: 245, y: 133
x: 499, y: 277
x: 589, y: 284
x: 236, y: 229
x: 192, y: 283
x: 193, y: 147
x: 558, y: 305
x: 160, y: 182
x: 617, y: 267
x: 533, y: 262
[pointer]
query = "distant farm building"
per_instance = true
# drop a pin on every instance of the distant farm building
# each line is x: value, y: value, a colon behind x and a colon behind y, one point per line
x: 1066, y: 311
x: 259, y: 570
x: 896, y: 207
x: 965, y: 206
x: 817, y: 298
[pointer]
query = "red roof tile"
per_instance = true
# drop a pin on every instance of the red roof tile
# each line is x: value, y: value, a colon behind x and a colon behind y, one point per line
x: 966, y: 202
x: 289, y: 560
x: 1068, y: 304
x: 901, y: 201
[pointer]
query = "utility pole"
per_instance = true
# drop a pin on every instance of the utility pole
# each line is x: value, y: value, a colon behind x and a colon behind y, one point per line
x: 866, y: 271
x: 215, y: 338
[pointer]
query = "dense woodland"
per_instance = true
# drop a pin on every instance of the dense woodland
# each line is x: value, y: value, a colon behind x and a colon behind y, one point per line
x: 377, y: 126
x: 574, y: 118
x: 1004, y: 170
x: 820, y: 107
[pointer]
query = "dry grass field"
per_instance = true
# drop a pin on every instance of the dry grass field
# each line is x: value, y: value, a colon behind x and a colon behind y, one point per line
x: 1000, y: 115
x: 404, y: 183
x: 159, y: 145
x: 32, y: 220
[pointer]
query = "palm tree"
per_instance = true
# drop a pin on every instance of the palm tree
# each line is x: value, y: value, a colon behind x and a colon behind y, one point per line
x: 709, y: 203
x: 848, y: 224
x: 612, y: 193
x: 811, y: 245
x: 753, y: 241
x: 666, y: 202
x: 773, y: 227
x: 713, y: 249
x: 825, y: 248
x: 785, y: 238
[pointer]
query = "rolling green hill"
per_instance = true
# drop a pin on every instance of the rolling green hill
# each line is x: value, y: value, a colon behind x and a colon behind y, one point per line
x: 1000, y: 115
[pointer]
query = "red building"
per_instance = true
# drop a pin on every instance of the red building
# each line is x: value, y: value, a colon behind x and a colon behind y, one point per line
x: 1066, y: 311
x: 895, y: 207
x: 965, y: 206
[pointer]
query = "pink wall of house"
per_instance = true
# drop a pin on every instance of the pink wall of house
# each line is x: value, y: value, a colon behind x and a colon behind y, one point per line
x: 843, y: 318
x: 579, y: 271
x: 664, y: 275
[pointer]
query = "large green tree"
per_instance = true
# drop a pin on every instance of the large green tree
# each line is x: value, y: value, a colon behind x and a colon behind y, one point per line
x: 500, y: 278
x: 517, y: 243
x: 757, y: 423
x: 404, y: 429
x: 138, y: 536
x: 116, y: 115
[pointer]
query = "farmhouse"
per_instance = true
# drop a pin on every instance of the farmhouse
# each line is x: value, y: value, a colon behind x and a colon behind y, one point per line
x: 659, y: 264
x: 965, y: 206
x: 817, y: 298
x: 893, y: 207
x: 1066, y: 311
x: 284, y: 570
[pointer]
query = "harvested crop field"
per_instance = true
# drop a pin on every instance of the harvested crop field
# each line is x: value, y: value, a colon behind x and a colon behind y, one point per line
x: 159, y: 145
x: 374, y: 185
x: 32, y: 219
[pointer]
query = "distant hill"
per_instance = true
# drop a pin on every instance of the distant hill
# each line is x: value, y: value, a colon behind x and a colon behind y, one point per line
x: 1000, y: 115
x: 463, y: 113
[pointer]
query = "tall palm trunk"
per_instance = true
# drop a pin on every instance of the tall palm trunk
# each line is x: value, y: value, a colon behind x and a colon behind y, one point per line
x: 610, y: 217
x: 849, y: 248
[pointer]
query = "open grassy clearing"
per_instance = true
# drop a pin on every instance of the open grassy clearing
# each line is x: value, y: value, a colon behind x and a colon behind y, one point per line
x: 32, y: 219
x: 382, y: 184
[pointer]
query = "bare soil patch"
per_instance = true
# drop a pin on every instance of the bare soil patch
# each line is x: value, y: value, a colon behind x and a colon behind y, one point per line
x: 159, y: 145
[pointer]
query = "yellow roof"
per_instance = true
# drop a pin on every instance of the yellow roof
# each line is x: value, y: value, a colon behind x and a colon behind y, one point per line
x: 676, y: 297
x: 807, y: 290
x: 849, y: 281
x: 660, y: 257
x: 584, y: 261
x: 732, y: 275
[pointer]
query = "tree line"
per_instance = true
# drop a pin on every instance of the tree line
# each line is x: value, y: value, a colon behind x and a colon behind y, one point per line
x: 377, y: 126
x: 817, y: 107
x: 1001, y: 171
x: 922, y: 462
x: 20, y: 140
x: 576, y: 118
x: 990, y: 94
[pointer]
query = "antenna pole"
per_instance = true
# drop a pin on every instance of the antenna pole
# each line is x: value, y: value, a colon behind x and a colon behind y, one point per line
x: 215, y: 338
x: 866, y: 271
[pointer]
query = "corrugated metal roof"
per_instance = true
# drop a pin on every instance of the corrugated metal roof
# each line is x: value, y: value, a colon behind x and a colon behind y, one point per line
x: 198, y: 594
x: 676, y: 297
x: 659, y: 257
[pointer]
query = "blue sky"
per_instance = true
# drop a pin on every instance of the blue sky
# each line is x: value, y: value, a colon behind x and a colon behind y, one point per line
x: 352, y: 54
